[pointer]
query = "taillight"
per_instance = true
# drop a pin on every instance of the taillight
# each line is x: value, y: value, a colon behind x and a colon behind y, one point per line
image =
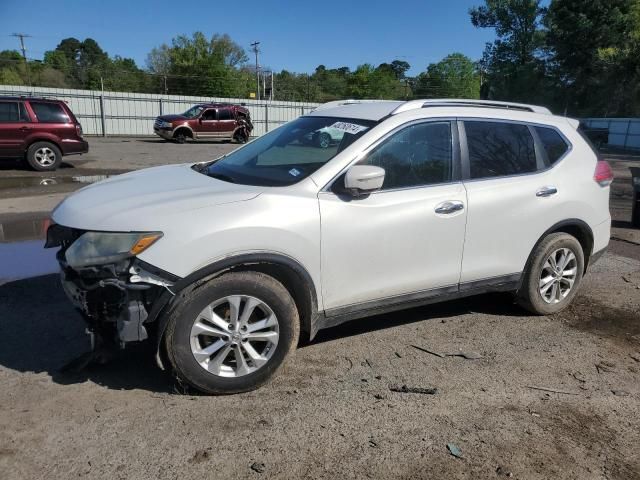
x: 79, y: 129
x: 603, y: 174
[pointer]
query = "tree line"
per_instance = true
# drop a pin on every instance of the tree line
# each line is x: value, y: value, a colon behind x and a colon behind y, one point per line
x: 579, y: 58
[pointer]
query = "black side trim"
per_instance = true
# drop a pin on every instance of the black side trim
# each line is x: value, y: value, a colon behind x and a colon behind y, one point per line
x: 596, y: 256
x: 337, y: 316
x: 503, y: 283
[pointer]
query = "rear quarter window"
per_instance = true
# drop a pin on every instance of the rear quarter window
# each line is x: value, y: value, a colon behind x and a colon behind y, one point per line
x: 499, y: 149
x: 553, y: 143
x: 49, y: 112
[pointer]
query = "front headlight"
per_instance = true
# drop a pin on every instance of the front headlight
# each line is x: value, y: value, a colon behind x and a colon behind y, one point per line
x: 165, y: 125
x: 97, y: 248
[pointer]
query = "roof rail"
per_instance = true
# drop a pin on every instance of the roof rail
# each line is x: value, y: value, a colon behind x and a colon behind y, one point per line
x: 338, y: 103
x: 461, y: 102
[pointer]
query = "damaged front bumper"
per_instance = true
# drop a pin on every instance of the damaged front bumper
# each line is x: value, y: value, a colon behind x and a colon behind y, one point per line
x: 119, y: 301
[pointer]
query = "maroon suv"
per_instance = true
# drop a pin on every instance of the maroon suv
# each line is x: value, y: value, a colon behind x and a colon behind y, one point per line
x: 40, y: 130
x: 211, y: 121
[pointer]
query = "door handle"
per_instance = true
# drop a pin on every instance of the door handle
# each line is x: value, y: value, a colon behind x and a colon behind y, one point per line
x: 546, y: 191
x: 24, y: 129
x: 449, y: 207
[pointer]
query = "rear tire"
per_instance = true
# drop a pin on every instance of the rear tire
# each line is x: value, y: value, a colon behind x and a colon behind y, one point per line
x: 204, y: 338
x: 553, y: 275
x: 44, y: 156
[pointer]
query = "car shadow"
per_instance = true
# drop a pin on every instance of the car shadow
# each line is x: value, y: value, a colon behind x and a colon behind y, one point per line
x: 497, y: 304
x: 41, y: 332
x: 7, y: 164
x: 188, y: 142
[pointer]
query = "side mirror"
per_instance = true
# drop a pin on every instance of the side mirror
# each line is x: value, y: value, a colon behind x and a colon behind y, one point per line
x: 362, y: 180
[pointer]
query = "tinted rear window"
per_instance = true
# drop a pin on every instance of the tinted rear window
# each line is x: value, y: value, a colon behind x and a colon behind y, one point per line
x: 553, y: 143
x: 225, y: 114
x: 499, y: 149
x: 49, y: 112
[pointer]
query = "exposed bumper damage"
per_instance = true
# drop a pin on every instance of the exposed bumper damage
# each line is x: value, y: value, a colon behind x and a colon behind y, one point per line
x: 116, y: 300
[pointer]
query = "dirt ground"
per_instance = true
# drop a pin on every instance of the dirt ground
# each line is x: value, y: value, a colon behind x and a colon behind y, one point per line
x: 550, y: 397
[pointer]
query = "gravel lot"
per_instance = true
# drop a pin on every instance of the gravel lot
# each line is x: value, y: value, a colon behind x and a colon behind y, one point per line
x: 331, y: 413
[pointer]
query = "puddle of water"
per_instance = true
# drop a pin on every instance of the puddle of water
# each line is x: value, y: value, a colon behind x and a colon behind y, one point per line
x: 22, y: 252
x: 27, y: 182
x: 26, y: 259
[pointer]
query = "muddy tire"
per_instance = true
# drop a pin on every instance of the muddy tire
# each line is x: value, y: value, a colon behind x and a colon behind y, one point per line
x: 553, y: 275
x: 44, y: 156
x: 232, y: 334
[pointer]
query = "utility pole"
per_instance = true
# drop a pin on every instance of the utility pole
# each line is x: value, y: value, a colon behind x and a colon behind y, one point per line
x: 255, y: 50
x: 22, y: 36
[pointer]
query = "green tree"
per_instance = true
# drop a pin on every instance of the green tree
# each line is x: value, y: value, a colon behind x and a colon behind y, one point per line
x: 455, y: 76
x: 512, y: 64
x: 595, y: 55
x: 199, y: 66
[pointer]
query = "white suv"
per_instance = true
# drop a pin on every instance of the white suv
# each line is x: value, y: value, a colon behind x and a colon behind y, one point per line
x: 227, y: 264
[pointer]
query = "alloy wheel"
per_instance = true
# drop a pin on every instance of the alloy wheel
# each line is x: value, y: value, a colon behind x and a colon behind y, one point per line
x: 45, y: 157
x: 558, y: 275
x: 234, y: 336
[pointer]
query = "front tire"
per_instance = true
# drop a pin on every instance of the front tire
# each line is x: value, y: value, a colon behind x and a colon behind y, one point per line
x: 44, y: 156
x: 553, y: 276
x: 233, y: 334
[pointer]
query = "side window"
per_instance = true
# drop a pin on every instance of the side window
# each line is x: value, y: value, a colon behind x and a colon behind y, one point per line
x: 9, y: 112
x: 553, y: 143
x: 225, y: 114
x: 49, y: 112
x: 498, y: 149
x: 417, y: 155
x: 209, y: 115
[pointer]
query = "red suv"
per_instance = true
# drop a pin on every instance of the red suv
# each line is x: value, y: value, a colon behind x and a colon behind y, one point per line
x: 39, y: 130
x: 222, y: 121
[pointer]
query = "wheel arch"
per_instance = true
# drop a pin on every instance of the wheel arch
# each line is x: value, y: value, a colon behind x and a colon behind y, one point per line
x: 182, y: 127
x: 293, y: 276
x: 41, y: 138
x: 574, y: 227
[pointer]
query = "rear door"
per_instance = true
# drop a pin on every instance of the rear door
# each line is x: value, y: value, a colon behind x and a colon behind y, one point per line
x: 226, y: 122
x: 405, y: 241
x: 15, y: 126
x: 513, y: 198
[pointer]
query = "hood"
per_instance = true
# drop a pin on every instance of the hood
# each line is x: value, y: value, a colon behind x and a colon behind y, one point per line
x: 171, y: 118
x: 143, y: 200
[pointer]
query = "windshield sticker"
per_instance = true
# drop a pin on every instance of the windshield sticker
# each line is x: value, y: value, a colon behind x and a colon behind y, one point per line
x: 294, y: 172
x: 347, y: 127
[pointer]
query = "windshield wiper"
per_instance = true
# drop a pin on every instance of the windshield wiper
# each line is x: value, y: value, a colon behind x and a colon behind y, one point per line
x: 221, y: 176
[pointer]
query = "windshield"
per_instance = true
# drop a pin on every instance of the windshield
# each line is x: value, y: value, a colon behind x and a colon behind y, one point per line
x: 290, y: 153
x: 193, y: 112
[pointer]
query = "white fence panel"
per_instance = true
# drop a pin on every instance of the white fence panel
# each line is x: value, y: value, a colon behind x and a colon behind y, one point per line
x: 125, y: 113
x: 623, y: 132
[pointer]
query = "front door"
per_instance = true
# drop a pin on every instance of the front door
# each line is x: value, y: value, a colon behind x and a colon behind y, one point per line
x: 14, y: 128
x: 208, y: 124
x: 404, y: 241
